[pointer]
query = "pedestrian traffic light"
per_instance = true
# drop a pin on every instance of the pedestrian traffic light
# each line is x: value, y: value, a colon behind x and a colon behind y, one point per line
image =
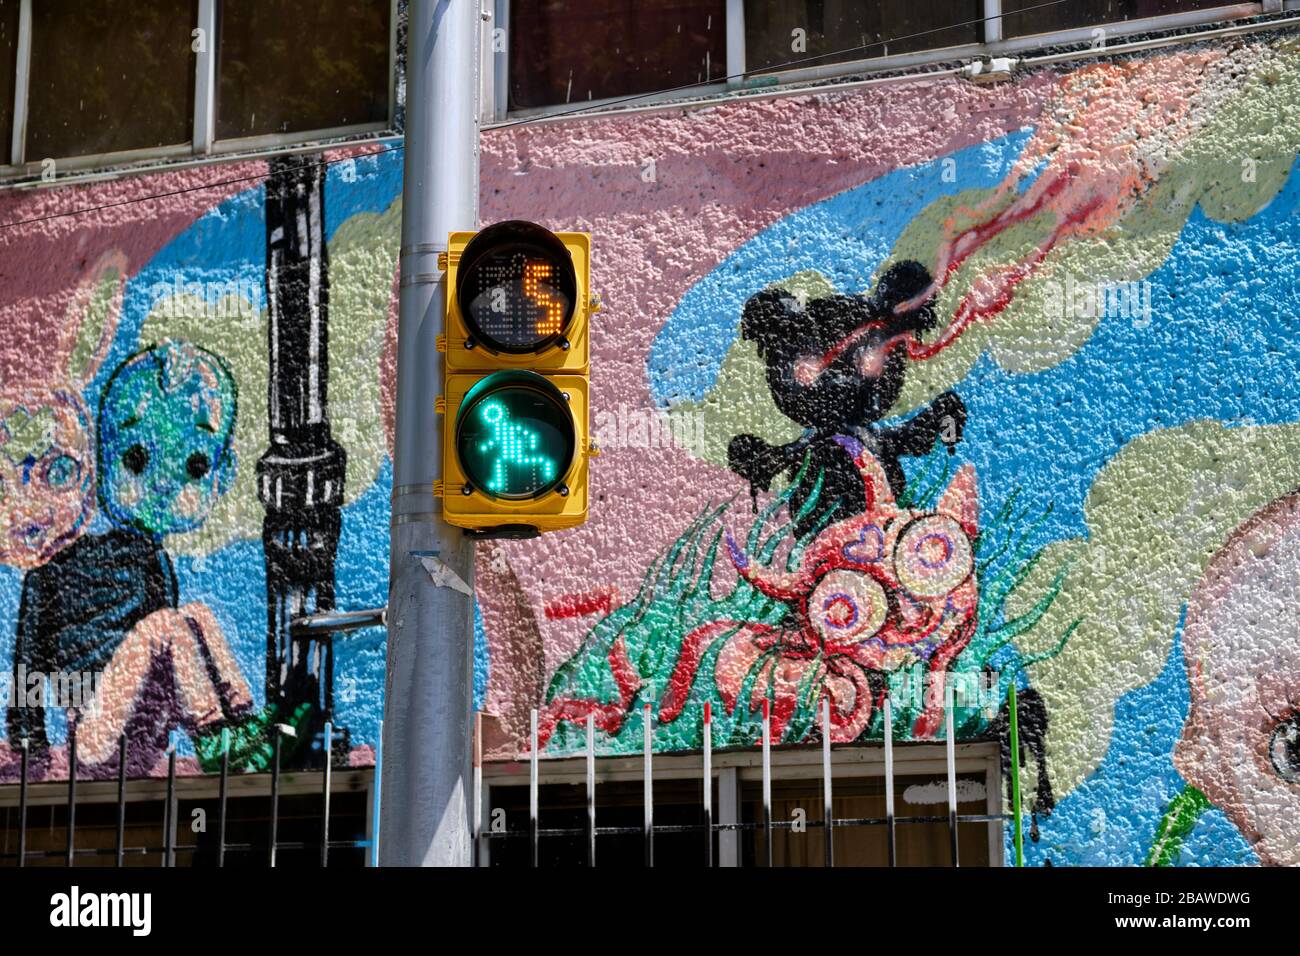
x: 515, y: 413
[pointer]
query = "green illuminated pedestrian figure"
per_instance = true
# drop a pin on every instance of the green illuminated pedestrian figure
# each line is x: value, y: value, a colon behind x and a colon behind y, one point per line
x: 515, y: 445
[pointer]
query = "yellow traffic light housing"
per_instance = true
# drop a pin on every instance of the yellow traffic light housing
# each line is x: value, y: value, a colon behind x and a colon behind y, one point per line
x: 515, y: 425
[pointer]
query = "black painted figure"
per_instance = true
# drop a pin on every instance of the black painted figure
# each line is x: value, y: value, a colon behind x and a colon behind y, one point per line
x: 836, y: 366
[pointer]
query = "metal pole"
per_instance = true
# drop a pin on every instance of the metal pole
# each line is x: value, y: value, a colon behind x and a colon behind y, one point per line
x: 892, y: 828
x: 170, y: 836
x: 591, y: 789
x: 325, y: 797
x: 951, y: 753
x: 221, y: 797
x: 767, y: 780
x: 22, y: 807
x: 828, y: 814
x: 72, y: 792
x: 1015, y: 775
x: 533, y: 837
x: 426, y: 818
x: 275, y: 798
x: 121, y: 797
x: 379, y: 773
x: 708, y: 782
x: 478, y: 786
x: 648, y: 789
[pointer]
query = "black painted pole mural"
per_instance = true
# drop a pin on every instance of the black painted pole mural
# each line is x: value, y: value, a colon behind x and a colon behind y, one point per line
x: 300, y: 476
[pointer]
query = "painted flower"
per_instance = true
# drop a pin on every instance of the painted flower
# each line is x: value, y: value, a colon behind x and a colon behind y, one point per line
x: 873, y: 593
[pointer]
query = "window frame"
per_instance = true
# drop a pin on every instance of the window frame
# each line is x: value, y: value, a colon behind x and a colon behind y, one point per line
x: 495, y: 79
x: 733, y: 768
x: 203, y: 145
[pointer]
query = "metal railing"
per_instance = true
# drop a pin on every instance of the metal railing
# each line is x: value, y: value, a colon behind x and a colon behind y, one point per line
x: 708, y: 828
x: 169, y: 849
x: 534, y: 832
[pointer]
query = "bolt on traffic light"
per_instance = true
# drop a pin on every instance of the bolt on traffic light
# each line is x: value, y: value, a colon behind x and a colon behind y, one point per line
x: 515, y: 424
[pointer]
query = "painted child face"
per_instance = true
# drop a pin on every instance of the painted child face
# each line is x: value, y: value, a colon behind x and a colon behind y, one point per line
x: 165, y: 426
x: 47, y: 472
x: 1241, y: 640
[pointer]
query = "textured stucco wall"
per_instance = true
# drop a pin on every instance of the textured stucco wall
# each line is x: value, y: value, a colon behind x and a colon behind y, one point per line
x: 1109, y: 387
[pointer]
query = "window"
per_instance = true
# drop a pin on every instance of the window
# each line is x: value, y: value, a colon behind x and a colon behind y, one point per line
x: 916, y: 844
x: 287, y: 67
x: 682, y: 837
x: 571, y: 51
x: 197, y: 834
x: 778, y: 32
x: 1085, y: 13
x: 9, y: 11
x: 109, y: 75
x: 619, y: 804
x: 181, y: 77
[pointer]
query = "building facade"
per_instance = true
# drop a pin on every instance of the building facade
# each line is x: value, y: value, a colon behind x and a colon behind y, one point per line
x: 905, y: 384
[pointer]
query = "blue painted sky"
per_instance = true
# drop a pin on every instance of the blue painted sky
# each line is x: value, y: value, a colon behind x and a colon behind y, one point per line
x: 1220, y: 345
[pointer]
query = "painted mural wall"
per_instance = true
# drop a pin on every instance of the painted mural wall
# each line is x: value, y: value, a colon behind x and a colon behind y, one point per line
x: 918, y: 391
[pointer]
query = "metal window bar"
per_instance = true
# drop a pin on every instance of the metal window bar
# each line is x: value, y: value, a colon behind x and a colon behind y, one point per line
x: 72, y: 792
x: 275, y: 796
x: 325, y: 796
x: 591, y: 790
x: 890, y: 822
x: 532, y: 784
x: 169, y: 828
x: 649, y: 789
x: 828, y: 811
x: 829, y: 823
x: 708, y: 783
x: 478, y: 786
x: 121, y: 799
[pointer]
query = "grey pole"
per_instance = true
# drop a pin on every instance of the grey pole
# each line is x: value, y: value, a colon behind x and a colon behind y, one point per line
x: 425, y: 818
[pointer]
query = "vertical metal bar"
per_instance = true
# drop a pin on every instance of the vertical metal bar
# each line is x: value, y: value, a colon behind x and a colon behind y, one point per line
x: 499, y: 44
x: 325, y: 810
x: 72, y: 791
x: 1015, y: 776
x: 376, y: 803
x: 121, y: 797
x: 708, y: 783
x: 890, y: 823
x: 828, y: 812
x: 736, y: 40
x: 992, y: 21
x: 767, y: 780
x: 591, y: 789
x: 533, y: 836
x: 221, y: 797
x: 478, y: 786
x: 22, y: 84
x: 22, y: 806
x: 169, y: 838
x: 205, y: 76
x: 648, y: 791
x: 275, y: 797
x: 950, y: 750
